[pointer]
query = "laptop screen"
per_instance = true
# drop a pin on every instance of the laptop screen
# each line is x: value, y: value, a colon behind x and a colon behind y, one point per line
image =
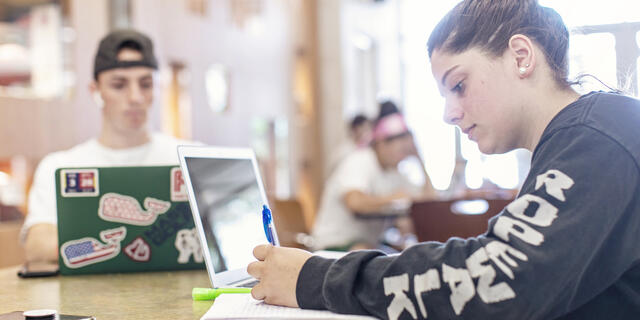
x: 230, y: 205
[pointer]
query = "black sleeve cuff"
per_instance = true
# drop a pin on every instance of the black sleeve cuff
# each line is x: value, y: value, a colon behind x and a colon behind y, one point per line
x: 310, y: 281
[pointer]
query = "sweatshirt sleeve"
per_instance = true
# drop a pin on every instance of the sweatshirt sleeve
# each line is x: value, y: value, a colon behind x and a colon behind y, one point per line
x: 569, y: 236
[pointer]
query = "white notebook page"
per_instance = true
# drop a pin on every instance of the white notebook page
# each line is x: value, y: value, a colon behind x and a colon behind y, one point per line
x: 243, y: 306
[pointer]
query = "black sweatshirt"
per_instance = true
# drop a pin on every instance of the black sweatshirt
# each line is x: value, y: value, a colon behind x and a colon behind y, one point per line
x: 568, y: 247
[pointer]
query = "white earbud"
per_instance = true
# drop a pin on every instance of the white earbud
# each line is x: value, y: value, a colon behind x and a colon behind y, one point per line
x: 97, y: 98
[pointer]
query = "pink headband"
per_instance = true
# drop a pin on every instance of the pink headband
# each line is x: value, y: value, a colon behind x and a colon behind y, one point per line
x: 389, y: 126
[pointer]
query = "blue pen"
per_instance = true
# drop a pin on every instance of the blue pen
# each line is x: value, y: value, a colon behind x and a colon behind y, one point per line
x: 266, y: 223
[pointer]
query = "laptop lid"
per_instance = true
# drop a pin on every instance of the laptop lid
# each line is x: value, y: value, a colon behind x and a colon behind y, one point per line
x: 226, y: 196
x: 124, y: 219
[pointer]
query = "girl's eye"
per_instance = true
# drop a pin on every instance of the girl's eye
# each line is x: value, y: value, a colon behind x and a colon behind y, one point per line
x: 459, y: 88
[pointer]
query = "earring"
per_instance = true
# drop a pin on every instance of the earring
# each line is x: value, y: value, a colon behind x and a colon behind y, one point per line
x: 523, y: 69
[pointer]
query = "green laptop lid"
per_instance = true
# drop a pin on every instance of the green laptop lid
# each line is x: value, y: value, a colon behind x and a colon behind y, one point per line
x: 125, y: 219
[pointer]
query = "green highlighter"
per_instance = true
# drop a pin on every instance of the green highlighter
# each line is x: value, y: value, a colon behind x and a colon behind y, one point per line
x: 200, y: 294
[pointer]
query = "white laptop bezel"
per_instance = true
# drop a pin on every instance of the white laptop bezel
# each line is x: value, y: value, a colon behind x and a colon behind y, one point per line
x: 228, y: 277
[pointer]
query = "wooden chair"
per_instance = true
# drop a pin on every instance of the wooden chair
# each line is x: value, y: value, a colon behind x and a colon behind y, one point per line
x: 288, y: 217
x: 441, y: 220
x: 12, y: 253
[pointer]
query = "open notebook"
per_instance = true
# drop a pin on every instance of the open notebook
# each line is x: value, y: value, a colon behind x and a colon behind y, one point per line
x: 243, y: 306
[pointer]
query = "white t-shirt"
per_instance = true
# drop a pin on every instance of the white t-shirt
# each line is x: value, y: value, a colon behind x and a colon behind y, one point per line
x: 340, y: 153
x: 161, y: 150
x: 336, y: 225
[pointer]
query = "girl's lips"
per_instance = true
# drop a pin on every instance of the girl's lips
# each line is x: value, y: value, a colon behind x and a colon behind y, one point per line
x: 466, y: 131
x: 469, y: 132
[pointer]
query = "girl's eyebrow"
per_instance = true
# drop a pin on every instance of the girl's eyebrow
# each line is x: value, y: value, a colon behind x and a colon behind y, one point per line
x: 444, y: 77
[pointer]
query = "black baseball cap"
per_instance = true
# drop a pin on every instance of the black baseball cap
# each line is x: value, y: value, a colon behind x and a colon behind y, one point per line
x: 110, y: 45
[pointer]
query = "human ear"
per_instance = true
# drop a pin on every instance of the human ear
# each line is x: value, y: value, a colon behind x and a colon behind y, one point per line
x: 522, y: 52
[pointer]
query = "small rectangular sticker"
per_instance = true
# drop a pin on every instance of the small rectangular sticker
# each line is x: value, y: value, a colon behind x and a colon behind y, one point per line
x: 79, y: 183
x: 178, y: 188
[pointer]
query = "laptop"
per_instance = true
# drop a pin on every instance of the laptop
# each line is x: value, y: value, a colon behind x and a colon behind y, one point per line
x: 124, y: 219
x: 226, y: 195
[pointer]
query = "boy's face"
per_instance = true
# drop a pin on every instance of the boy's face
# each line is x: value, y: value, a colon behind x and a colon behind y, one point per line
x: 392, y: 151
x: 127, y: 94
x: 362, y: 133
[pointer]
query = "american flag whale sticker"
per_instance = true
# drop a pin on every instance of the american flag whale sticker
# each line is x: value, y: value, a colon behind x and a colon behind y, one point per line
x: 86, y: 251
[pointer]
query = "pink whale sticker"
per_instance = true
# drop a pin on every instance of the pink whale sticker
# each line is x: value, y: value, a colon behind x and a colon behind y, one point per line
x: 125, y: 209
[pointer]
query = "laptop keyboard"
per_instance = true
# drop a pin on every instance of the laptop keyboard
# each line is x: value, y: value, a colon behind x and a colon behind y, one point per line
x: 249, y: 284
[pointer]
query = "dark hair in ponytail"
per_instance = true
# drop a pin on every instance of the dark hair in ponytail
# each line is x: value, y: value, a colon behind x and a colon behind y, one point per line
x: 489, y: 24
x: 386, y: 108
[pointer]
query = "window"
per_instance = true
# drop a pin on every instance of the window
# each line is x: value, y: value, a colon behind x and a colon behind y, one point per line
x: 602, y: 41
x: 423, y: 103
x: 586, y: 59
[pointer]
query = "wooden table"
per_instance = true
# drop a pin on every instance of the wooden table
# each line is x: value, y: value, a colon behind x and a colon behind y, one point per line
x: 150, y: 295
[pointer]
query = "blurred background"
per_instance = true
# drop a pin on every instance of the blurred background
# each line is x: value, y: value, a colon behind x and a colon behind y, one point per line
x: 281, y: 76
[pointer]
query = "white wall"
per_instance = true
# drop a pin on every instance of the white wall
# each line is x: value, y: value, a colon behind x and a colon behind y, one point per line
x: 258, y: 63
x: 377, y: 21
x: 89, y: 20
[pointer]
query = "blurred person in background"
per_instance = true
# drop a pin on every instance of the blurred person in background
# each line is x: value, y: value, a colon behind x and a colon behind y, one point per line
x: 366, y: 192
x: 360, y: 131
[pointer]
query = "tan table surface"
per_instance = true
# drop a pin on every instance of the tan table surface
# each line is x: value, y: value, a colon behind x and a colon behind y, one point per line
x: 148, y: 295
